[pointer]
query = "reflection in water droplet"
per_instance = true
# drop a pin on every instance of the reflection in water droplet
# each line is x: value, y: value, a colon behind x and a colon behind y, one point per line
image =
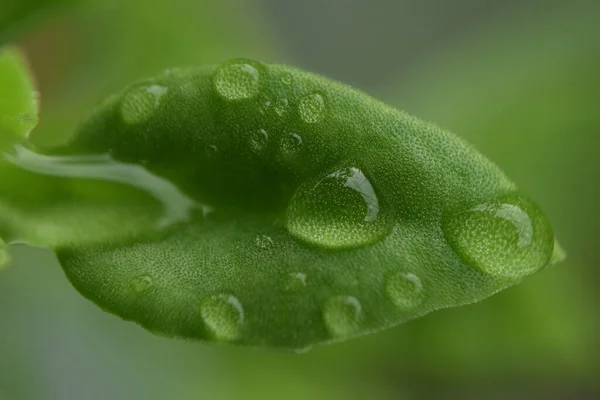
x: 508, y: 236
x: 223, y: 315
x: 281, y: 107
x: 404, y: 289
x: 296, y: 281
x: 287, y: 78
x: 342, y: 315
x: 311, y: 107
x: 291, y: 144
x: 177, y: 206
x: 264, y: 242
x: 340, y: 210
x: 237, y: 80
x: 141, y: 284
x: 258, y: 140
x: 139, y: 104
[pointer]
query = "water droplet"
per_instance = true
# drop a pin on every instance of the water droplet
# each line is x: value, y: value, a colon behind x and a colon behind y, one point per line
x: 264, y: 242
x: 223, y: 315
x: 312, y: 107
x: 342, y: 315
x: 139, y: 104
x: 296, y: 281
x: 265, y: 107
x: 508, y: 236
x: 141, y: 284
x: 212, y: 151
x: 237, y: 80
x: 340, y: 210
x: 287, y: 78
x: 291, y: 144
x: 404, y: 289
x: 281, y: 107
x: 259, y: 140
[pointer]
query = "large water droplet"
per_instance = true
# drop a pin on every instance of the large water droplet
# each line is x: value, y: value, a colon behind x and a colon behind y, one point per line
x: 508, y: 236
x: 223, y: 315
x: 312, y: 107
x: 342, y: 315
x: 340, y: 210
x: 237, y: 80
x: 404, y: 289
x: 295, y: 282
x: 258, y: 140
x: 141, y: 284
x: 139, y: 104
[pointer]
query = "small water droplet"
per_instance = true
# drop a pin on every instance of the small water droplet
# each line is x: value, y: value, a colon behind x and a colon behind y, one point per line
x: 296, y: 281
x: 342, y: 315
x: 287, y: 78
x: 312, y: 107
x: 264, y: 242
x: 258, y: 140
x: 265, y: 107
x: 291, y: 145
x: 237, y: 80
x: 404, y: 289
x: 141, y: 284
x: 340, y: 210
x: 139, y: 104
x: 212, y: 151
x: 223, y: 315
x: 281, y: 107
x: 508, y: 236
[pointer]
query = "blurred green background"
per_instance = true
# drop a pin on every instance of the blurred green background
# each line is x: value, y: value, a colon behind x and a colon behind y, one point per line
x: 520, y: 80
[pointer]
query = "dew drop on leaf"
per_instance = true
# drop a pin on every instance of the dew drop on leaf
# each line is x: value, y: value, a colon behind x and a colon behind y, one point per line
x: 237, y: 80
x: 141, y: 284
x: 139, y: 103
x: 281, y: 107
x: 296, y: 281
x: 287, y: 79
x: 404, y: 290
x: 508, y: 236
x: 311, y: 107
x: 291, y: 144
x: 342, y: 315
x: 264, y: 242
x: 340, y: 210
x: 223, y: 315
x: 258, y: 140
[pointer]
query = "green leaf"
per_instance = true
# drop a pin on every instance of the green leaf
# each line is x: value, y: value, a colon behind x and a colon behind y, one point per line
x: 261, y: 205
x: 18, y: 103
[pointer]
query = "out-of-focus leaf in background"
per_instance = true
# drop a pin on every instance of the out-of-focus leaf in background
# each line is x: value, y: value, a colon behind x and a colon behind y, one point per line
x: 18, y: 103
x: 17, y: 15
